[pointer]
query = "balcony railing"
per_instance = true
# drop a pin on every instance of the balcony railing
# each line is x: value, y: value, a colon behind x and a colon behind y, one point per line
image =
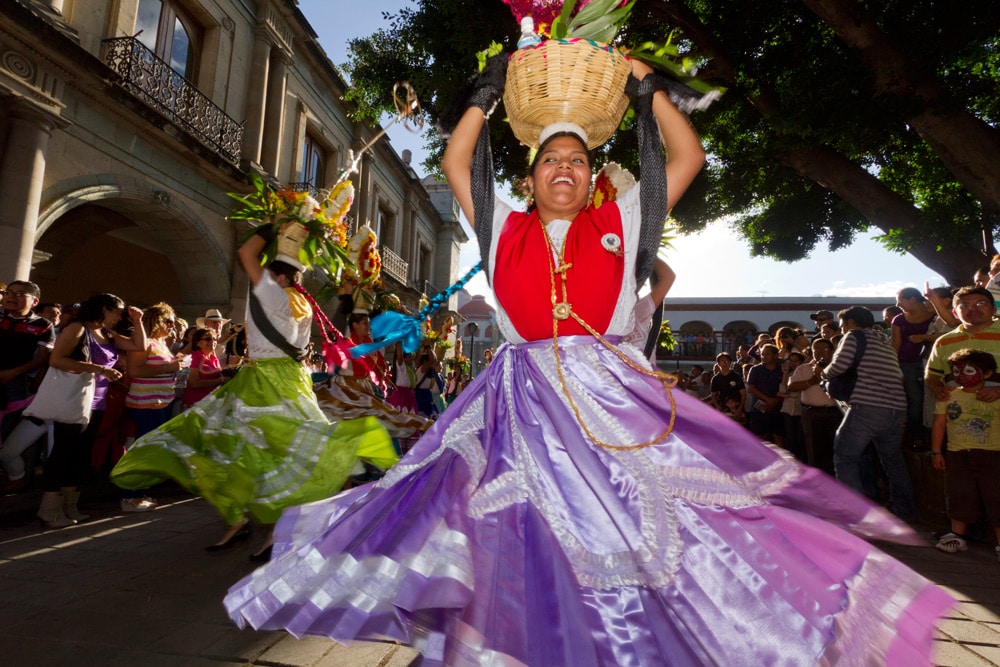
x: 305, y: 186
x: 393, y: 265
x: 426, y: 288
x: 154, y: 82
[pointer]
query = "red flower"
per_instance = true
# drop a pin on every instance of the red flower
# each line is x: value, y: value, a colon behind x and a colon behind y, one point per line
x: 544, y: 11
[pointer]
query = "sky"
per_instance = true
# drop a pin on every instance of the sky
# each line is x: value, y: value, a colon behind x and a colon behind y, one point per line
x: 712, y: 263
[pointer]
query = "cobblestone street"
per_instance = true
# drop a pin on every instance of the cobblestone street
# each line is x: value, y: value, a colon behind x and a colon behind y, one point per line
x: 139, y: 589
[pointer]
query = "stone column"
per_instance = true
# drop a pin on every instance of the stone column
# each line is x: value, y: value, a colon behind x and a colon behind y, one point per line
x: 274, y: 116
x: 22, y: 171
x: 256, y: 97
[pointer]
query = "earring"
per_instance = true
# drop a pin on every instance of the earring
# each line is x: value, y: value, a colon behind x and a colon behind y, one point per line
x: 531, y: 199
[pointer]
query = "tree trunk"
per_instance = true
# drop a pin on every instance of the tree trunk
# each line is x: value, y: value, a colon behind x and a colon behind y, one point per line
x: 967, y: 146
x: 885, y: 209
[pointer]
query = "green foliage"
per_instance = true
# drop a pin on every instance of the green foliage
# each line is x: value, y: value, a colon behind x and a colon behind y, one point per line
x: 666, y: 341
x: 599, y: 21
x: 793, y: 86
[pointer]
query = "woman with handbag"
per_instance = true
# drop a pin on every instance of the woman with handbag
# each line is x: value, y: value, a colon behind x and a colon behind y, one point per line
x: 88, y: 349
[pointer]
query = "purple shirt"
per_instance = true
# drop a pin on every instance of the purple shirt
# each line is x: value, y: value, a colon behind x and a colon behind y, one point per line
x: 107, y: 356
x: 910, y: 353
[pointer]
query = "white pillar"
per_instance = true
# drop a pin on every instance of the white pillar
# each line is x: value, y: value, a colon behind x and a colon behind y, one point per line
x: 22, y: 171
x: 270, y: 153
x: 256, y: 96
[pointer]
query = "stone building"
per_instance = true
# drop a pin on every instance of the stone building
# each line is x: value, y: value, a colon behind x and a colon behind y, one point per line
x: 478, y: 330
x: 124, y: 123
x: 704, y: 327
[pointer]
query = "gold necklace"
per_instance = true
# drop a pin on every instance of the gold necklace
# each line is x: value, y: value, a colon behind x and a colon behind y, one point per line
x: 562, y: 310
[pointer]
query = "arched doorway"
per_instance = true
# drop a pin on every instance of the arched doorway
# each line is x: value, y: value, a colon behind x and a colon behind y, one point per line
x: 134, y: 241
x: 696, y: 339
x: 738, y: 332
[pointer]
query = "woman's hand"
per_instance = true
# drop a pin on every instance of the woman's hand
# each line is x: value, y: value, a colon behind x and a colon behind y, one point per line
x: 937, y: 460
x: 112, y: 374
x: 639, y: 68
x: 135, y: 315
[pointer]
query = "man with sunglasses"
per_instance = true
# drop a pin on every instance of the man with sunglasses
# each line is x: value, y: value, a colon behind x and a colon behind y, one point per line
x: 25, y: 339
x: 978, y: 328
x: 821, y: 317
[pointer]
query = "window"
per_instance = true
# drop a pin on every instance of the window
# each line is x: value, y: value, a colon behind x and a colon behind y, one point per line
x: 386, y: 228
x: 425, y: 263
x: 170, y: 33
x: 313, y: 163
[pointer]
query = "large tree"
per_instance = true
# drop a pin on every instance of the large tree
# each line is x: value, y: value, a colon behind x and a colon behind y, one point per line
x: 840, y: 115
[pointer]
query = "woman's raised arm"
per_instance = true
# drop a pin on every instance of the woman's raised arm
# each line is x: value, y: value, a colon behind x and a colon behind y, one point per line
x: 457, y: 161
x: 685, y: 155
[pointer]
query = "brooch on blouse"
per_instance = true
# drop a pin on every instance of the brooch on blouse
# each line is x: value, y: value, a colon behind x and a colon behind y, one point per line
x: 612, y: 243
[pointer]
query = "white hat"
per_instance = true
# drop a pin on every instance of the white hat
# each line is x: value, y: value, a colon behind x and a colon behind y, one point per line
x: 363, y: 301
x: 211, y: 315
x: 290, y: 261
x: 562, y: 127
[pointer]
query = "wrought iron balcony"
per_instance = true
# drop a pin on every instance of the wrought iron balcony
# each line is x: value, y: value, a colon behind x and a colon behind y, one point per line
x: 393, y: 265
x: 154, y: 82
x: 305, y: 186
x: 427, y: 289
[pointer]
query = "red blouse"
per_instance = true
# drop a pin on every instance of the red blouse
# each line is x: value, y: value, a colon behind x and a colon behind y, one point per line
x: 521, y: 278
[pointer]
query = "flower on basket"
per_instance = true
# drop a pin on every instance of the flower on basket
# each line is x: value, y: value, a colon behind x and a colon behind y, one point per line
x: 547, y: 13
x: 459, y: 364
x: 600, y: 21
x: 323, y: 243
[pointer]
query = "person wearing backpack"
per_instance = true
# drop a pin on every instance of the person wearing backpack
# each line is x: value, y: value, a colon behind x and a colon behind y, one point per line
x: 876, y: 408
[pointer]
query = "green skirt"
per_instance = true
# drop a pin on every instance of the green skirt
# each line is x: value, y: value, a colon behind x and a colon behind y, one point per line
x: 257, y: 444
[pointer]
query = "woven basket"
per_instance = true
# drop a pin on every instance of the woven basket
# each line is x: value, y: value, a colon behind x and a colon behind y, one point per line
x: 291, y: 238
x: 566, y: 80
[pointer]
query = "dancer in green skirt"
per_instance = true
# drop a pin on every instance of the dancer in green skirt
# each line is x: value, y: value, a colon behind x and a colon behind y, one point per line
x: 259, y: 443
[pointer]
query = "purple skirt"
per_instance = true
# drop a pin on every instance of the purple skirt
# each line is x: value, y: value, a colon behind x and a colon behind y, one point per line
x: 507, y: 537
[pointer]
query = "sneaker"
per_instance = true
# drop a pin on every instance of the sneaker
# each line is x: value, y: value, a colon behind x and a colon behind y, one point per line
x: 951, y: 543
x: 136, y: 505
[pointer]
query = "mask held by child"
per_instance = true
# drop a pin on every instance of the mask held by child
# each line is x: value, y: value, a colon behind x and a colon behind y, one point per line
x: 972, y: 457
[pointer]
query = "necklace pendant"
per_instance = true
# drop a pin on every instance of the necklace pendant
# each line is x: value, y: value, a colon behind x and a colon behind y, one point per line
x: 564, y: 267
x: 561, y: 311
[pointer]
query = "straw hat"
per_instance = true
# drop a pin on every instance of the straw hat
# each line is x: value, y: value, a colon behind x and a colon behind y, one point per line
x: 211, y: 315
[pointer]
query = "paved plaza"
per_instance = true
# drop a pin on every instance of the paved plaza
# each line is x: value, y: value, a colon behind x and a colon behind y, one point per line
x: 139, y: 590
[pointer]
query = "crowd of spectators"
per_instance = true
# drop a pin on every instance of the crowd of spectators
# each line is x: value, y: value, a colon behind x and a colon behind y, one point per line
x: 147, y: 366
x: 906, y: 390
x: 777, y: 385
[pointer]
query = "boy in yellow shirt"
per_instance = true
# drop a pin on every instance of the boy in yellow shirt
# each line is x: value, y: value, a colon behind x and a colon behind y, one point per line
x: 973, y: 455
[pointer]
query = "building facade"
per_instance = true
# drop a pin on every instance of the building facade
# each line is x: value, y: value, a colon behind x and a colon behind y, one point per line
x: 703, y: 327
x: 124, y: 123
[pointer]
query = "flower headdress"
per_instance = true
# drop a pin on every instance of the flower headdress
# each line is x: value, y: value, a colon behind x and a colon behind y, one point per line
x: 321, y: 224
x: 365, y: 271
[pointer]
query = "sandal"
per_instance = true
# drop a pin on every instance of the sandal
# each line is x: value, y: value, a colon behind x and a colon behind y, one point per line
x: 951, y: 543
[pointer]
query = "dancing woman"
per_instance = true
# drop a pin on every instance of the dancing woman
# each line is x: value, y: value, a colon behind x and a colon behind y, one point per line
x: 259, y: 443
x: 569, y: 508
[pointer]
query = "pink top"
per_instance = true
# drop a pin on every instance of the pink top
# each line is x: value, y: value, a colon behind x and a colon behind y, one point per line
x: 208, y: 369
